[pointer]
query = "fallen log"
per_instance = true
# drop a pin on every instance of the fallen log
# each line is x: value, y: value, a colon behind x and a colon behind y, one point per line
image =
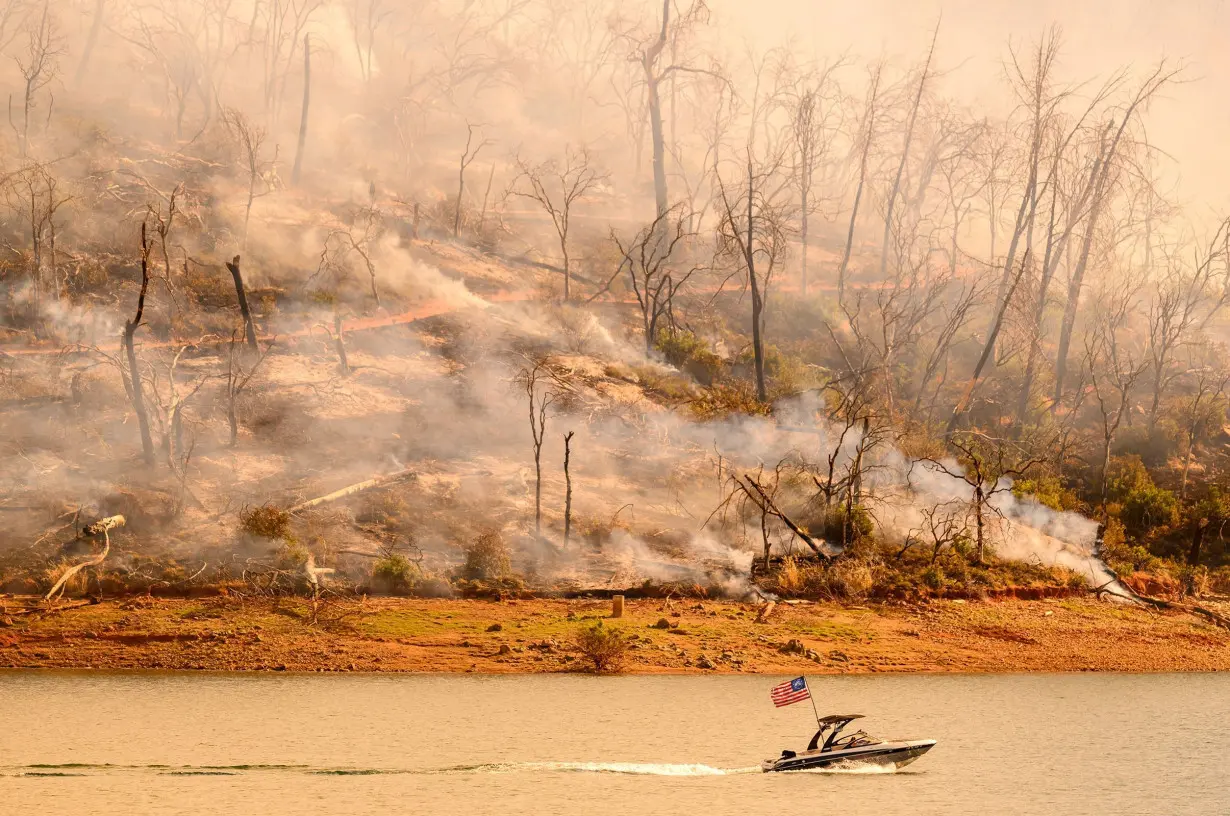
x: 101, y: 527
x: 767, y: 505
x: 379, y: 481
x: 1214, y: 618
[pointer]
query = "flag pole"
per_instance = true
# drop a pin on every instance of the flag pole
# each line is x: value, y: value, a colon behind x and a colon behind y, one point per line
x: 812, y: 697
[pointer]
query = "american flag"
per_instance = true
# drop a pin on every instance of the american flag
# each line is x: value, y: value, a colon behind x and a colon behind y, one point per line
x: 791, y: 691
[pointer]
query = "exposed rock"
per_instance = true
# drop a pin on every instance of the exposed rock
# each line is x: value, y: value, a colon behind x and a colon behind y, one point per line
x: 703, y: 662
x: 662, y: 623
x: 792, y: 647
x: 504, y: 649
x: 495, y: 627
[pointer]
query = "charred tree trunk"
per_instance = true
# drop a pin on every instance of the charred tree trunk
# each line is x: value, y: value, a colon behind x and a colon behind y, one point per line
x: 303, y: 116
x: 754, y: 284
x: 979, y: 524
x: 134, y: 374
x: 1193, y: 554
x: 567, y: 488
x: 248, y: 327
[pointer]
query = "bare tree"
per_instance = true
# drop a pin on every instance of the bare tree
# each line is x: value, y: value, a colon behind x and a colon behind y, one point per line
x: 813, y: 126
x: 238, y: 377
x: 1204, y: 407
x: 467, y: 156
x: 556, y: 187
x: 1162, y: 75
x: 650, y: 264
x: 367, y: 17
x: 262, y: 176
x: 35, y: 196
x: 895, y: 191
x: 541, y: 391
x: 303, y: 113
x: 863, y: 144
x: 39, y: 66
x: 133, y: 382
x: 567, y: 488
x: 1178, y: 306
x: 655, y: 72
x: 753, y: 232
x: 988, y: 466
x: 1114, y: 366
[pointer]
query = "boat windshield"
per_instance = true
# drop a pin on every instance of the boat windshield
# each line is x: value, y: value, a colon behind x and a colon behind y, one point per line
x: 829, y: 736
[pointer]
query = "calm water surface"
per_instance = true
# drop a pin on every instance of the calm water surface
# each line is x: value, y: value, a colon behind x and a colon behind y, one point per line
x: 158, y: 743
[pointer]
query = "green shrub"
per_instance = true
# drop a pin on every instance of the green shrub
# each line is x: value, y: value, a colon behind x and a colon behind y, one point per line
x: 487, y: 559
x: 1048, y: 491
x: 395, y: 575
x: 689, y: 353
x: 1149, y: 507
x: 933, y: 578
x: 1125, y: 558
x: 604, y: 647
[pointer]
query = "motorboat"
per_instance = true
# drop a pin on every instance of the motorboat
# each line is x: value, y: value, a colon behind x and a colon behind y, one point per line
x: 831, y: 748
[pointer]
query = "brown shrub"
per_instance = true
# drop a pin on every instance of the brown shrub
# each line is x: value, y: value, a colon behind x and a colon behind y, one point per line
x: 265, y: 521
x: 487, y: 558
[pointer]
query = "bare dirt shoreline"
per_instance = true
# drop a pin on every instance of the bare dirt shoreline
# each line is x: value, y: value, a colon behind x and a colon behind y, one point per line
x: 535, y: 636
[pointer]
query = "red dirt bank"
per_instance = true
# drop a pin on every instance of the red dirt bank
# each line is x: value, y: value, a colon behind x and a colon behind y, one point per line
x: 388, y: 635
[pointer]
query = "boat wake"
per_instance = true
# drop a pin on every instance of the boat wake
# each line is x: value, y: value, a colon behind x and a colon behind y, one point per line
x: 853, y: 768
x: 629, y: 768
x: 622, y: 768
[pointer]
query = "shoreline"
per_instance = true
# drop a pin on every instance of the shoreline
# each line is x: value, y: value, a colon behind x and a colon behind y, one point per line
x: 388, y: 635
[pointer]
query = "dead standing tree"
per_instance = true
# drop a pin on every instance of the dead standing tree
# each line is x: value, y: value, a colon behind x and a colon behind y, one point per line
x: 988, y: 467
x: 261, y: 173
x: 133, y: 383
x: 753, y: 232
x: 647, y: 261
x: 568, y: 487
x: 654, y: 73
x: 303, y: 113
x: 1114, y: 367
x: 539, y: 383
x: 556, y: 187
x: 34, y: 195
x: 863, y: 143
x: 895, y: 191
x: 237, y: 378
x: 1204, y: 409
x: 39, y: 66
x: 467, y: 157
x: 1102, y: 191
x: 241, y: 293
x: 813, y: 113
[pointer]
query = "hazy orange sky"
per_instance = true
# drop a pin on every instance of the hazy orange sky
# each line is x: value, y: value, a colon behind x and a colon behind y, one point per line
x: 1192, y: 122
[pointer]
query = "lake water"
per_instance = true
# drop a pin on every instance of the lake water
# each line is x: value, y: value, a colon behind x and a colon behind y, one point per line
x: 96, y: 743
